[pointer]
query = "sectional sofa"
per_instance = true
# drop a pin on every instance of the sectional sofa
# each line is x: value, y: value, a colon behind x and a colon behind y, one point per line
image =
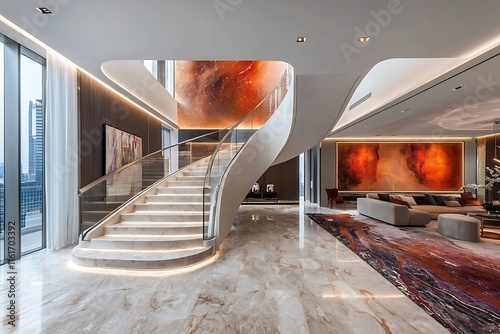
x: 401, y: 209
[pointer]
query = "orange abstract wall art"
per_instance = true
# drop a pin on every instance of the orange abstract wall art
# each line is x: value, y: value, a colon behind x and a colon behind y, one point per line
x: 400, y: 166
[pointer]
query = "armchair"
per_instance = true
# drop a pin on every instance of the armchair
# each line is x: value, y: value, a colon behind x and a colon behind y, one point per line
x: 333, y: 197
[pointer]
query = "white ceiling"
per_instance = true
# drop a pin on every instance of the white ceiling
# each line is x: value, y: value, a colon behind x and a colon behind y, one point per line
x: 92, y: 32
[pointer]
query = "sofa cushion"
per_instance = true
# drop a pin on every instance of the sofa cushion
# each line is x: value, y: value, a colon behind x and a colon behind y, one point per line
x: 470, y: 201
x: 384, y: 197
x: 424, y: 200
x: 409, y: 200
x: 452, y: 204
x: 400, y: 202
x: 439, y: 200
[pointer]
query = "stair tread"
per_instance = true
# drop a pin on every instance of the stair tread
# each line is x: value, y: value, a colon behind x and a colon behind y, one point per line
x: 156, y: 224
x: 148, y: 238
x: 135, y: 255
x: 160, y: 213
x: 170, y: 203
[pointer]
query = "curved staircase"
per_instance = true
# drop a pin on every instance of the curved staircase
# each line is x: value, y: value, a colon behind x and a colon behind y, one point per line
x: 164, y: 232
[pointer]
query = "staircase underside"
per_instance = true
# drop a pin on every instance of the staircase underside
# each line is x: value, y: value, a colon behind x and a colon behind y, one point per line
x: 163, y: 232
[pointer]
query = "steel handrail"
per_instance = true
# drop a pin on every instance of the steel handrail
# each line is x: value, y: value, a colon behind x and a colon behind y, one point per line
x: 118, y: 170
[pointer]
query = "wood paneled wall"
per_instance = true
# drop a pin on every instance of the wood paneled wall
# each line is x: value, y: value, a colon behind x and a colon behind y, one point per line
x: 99, y: 106
x: 285, y: 178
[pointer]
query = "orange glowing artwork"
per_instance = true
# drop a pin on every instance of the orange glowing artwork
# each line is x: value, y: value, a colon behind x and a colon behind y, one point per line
x: 399, y: 166
x: 217, y: 94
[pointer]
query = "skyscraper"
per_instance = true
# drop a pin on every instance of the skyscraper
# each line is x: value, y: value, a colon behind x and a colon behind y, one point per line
x: 36, y: 141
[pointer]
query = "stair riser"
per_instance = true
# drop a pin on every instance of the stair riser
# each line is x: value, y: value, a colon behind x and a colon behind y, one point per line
x: 177, y: 198
x: 144, y: 245
x: 112, y: 230
x: 200, y: 173
x: 185, y: 183
x: 162, y: 218
x: 144, y: 264
x: 191, y: 178
x: 181, y: 191
x: 185, y: 207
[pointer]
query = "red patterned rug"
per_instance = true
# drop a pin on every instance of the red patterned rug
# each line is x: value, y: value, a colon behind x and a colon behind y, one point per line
x: 457, y: 287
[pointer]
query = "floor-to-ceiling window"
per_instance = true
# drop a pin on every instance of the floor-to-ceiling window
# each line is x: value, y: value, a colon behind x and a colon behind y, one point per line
x: 22, y: 77
x: 31, y: 112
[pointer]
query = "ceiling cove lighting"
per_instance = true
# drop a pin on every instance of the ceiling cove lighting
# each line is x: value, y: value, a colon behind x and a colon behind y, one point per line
x: 44, y: 10
x: 363, y: 39
x: 301, y: 39
x: 48, y: 48
x: 459, y: 87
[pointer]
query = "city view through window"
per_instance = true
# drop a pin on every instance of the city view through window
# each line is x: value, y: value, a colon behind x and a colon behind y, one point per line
x: 31, y: 148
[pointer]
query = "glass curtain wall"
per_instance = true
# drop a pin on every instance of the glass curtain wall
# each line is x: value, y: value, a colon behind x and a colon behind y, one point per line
x: 22, y: 78
x: 31, y: 113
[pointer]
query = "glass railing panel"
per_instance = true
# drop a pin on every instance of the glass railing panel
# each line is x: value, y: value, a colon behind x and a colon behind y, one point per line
x: 230, y: 145
x: 103, y: 196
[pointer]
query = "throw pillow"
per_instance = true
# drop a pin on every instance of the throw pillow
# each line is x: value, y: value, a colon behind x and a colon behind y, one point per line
x: 395, y: 197
x: 466, y: 195
x: 439, y: 200
x: 424, y: 200
x: 452, y: 203
x: 409, y: 200
x: 471, y: 201
x: 384, y: 197
x: 398, y: 201
x: 430, y: 200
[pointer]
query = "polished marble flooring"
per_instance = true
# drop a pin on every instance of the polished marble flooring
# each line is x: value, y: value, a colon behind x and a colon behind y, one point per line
x: 276, y: 272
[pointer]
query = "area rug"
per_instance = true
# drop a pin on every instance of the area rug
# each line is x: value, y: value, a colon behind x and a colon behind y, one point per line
x: 457, y: 287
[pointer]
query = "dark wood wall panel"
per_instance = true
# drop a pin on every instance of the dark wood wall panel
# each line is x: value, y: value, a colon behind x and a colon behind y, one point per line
x: 285, y: 178
x: 99, y: 106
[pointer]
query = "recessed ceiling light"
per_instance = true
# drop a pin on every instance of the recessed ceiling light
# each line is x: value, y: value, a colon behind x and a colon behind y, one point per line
x: 44, y: 10
x: 364, y: 39
x: 407, y: 109
x: 301, y: 39
x: 461, y: 86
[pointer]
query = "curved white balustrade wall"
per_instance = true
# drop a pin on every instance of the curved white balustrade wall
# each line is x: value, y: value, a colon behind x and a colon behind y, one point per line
x: 251, y: 162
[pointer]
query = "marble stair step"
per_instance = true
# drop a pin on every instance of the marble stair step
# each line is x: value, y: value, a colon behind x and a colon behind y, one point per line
x: 182, y: 183
x: 133, y: 259
x: 179, y: 190
x: 168, y: 198
x: 146, y: 242
x: 172, y: 216
x: 173, y: 206
x: 196, y: 173
x: 191, y: 178
x: 158, y: 228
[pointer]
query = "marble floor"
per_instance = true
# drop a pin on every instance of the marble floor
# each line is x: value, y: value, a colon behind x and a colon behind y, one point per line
x: 277, y: 272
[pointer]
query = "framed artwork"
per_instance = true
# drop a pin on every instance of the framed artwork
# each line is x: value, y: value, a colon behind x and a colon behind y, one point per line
x: 121, y: 149
x: 400, y: 166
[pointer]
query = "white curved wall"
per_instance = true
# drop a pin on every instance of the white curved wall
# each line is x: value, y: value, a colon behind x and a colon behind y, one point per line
x: 132, y: 76
x: 320, y: 100
x: 251, y: 162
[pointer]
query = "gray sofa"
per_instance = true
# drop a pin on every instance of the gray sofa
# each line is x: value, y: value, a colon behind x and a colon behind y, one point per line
x: 391, y: 213
x: 436, y: 210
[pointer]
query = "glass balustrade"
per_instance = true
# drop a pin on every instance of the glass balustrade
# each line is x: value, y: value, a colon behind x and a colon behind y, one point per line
x: 103, y: 196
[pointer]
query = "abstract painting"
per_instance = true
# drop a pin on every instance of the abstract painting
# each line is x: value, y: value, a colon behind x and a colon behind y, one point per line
x: 121, y: 149
x: 217, y: 94
x: 400, y: 166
